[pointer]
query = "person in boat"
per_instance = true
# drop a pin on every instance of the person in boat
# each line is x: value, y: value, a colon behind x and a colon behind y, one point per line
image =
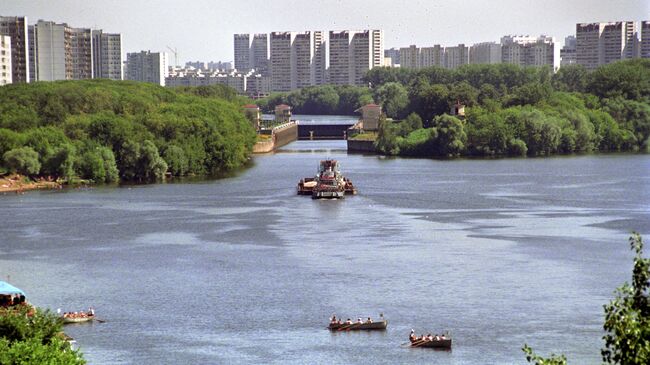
x: 369, y: 320
x: 412, y: 336
x: 348, y: 321
x: 91, y: 311
x: 359, y: 321
x: 333, y: 320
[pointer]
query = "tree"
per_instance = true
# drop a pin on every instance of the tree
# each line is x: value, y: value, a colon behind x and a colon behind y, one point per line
x: 32, y: 336
x: 176, y: 160
x: 532, y: 357
x: 23, y: 160
x: 393, y: 98
x: 61, y: 162
x: 627, y: 316
x: 451, y: 136
x: 570, y: 78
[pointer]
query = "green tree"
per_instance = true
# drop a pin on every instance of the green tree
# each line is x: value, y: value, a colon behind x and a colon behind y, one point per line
x: 452, y: 137
x: 176, y: 160
x: 61, y: 162
x: 627, y: 316
x: 23, y: 160
x: 571, y: 78
x: 533, y: 358
x: 393, y: 97
x: 32, y: 336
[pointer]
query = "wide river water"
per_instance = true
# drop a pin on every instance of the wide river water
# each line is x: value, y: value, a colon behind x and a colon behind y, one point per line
x: 242, y: 270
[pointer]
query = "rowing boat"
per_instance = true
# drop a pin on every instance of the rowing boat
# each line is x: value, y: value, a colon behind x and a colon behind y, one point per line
x: 379, y: 325
x: 442, y: 343
x: 88, y: 318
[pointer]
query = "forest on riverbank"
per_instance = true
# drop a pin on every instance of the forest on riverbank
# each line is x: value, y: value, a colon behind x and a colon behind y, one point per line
x: 107, y: 131
x: 510, y: 110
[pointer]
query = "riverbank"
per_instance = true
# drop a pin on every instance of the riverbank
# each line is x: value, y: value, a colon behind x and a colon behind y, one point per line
x: 16, y: 183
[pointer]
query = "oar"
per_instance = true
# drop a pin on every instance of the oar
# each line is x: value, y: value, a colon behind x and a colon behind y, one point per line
x: 347, y: 327
x: 99, y: 320
x: 419, y: 342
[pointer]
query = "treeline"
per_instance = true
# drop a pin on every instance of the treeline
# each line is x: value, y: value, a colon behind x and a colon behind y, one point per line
x: 515, y: 111
x: 315, y: 100
x: 108, y: 131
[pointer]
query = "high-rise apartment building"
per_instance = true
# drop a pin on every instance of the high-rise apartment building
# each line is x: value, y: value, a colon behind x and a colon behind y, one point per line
x: 242, y: 52
x: 280, y: 60
x: 456, y: 56
x: 352, y: 54
x: 16, y: 28
x: 107, y: 55
x: 644, y: 44
x: 617, y: 41
x: 432, y: 56
x: 297, y: 60
x: 485, y: 53
x: 259, y: 53
x: 5, y: 60
x: 602, y: 43
x: 81, y: 53
x: 409, y: 57
x: 252, y: 52
x: 54, y: 53
x: 527, y: 50
x: 33, y: 54
x: 568, y: 51
x: 147, y: 66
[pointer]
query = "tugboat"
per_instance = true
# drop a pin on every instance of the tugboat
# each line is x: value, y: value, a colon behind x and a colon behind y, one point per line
x: 328, y: 183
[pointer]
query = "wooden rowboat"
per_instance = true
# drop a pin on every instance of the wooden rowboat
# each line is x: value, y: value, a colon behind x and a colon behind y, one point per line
x: 437, y: 344
x: 68, y: 320
x: 379, y: 325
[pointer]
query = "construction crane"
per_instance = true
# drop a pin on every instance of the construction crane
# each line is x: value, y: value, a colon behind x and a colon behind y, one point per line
x: 175, y: 52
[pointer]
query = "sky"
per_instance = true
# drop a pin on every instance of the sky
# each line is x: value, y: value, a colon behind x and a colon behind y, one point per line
x: 203, y: 29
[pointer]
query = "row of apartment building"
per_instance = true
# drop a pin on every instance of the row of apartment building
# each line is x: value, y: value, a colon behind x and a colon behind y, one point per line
x: 515, y: 49
x: 49, y: 51
x: 594, y: 44
x: 294, y: 60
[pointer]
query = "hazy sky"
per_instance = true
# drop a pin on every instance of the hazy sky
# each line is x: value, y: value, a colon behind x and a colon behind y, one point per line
x: 203, y: 29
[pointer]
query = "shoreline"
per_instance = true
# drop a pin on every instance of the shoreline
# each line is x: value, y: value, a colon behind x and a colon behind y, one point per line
x: 16, y: 184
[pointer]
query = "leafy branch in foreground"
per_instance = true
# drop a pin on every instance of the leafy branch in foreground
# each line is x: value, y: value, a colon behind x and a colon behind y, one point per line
x: 627, y: 319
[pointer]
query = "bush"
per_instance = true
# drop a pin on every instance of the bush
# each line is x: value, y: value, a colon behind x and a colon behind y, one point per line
x: 23, y: 160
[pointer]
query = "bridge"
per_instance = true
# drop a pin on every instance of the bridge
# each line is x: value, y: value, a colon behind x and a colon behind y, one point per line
x: 314, y: 131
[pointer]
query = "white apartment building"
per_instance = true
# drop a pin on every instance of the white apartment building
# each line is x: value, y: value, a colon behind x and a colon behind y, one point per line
x: 352, y: 54
x: 280, y: 60
x: 617, y: 41
x: 432, y: 56
x: 147, y: 66
x: 17, y: 29
x: 53, y: 51
x: 409, y: 57
x: 568, y: 51
x: 251, y: 52
x: 297, y: 60
x: 485, y: 53
x: 107, y: 55
x: 527, y: 50
x: 456, y: 56
x: 5, y: 60
x: 602, y: 43
x: 644, y: 44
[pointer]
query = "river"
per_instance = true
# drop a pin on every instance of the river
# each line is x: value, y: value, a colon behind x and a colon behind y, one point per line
x: 242, y: 270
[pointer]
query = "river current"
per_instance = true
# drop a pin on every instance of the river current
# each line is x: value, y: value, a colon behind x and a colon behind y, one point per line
x: 242, y: 270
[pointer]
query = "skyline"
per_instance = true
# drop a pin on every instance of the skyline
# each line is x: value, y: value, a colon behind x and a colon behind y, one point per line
x: 203, y: 30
